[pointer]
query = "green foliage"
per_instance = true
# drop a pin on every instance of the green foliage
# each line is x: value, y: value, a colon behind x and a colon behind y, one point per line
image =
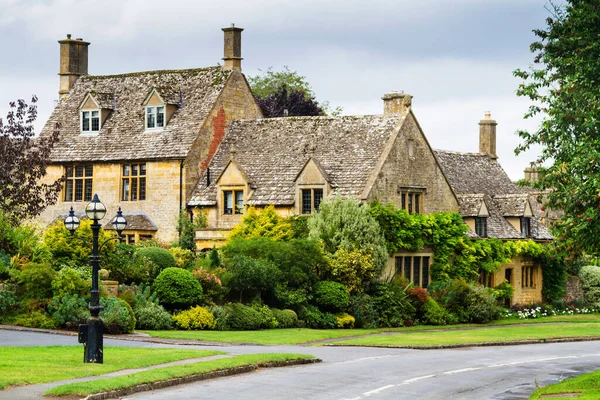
x: 285, y: 318
x: 117, y: 315
x: 8, y: 302
x: 36, y: 280
x: 127, y: 266
x: 362, y: 307
x: 331, y: 296
x: 35, y: 319
x: 434, y: 314
x: 21, y: 242
x: 351, y: 267
x: 243, y: 318
x: 144, y: 296
x: 177, y: 289
x: 75, y: 248
x: 266, y: 223
x: 312, y: 317
x: 562, y: 86
x: 249, y: 274
x: 590, y: 282
x: 268, y: 320
x: 69, y: 281
x: 186, y: 230
x: 344, y: 223
x: 161, y: 259
x: 554, y: 276
x: 68, y: 311
x: 196, y: 318
x: 391, y: 304
x: 468, y: 302
x: 344, y: 321
x: 212, y: 288
x: 503, y: 291
x: 184, y: 258
x: 152, y: 316
x: 299, y: 226
x: 215, y: 260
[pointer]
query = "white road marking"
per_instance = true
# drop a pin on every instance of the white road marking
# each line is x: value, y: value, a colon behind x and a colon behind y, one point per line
x: 381, y: 389
x: 408, y: 381
x: 365, y: 359
x: 458, y: 371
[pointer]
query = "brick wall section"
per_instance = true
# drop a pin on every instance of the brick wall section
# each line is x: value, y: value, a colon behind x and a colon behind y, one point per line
x: 219, y: 124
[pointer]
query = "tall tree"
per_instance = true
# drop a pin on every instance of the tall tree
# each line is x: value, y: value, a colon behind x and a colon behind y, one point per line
x: 564, y: 86
x: 24, y: 162
x: 276, y: 91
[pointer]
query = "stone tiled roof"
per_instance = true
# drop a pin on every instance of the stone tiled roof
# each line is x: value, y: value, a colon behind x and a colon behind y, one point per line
x: 123, y: 135
x: 271, y: 152
x: 474, y: 177
x: 135, y: 222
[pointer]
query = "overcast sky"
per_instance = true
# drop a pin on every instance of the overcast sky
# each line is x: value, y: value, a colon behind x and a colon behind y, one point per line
x: 455, y: 57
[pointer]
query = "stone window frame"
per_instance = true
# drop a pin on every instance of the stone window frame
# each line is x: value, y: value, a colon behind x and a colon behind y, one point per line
x: 412, y: 200
x: 132, y: 237
x: 86, y: 180
x: 481, y: 226
x: 525, y: 226
x: 140, y: 180
x: 90, y: 131
x: 155, y: 107
x: 236, y: 209
x: 529, y: 276
x: 314, y: 203
x: 400, y: 266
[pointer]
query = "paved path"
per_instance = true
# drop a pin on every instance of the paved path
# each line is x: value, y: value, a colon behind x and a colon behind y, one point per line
x: 502, y: 372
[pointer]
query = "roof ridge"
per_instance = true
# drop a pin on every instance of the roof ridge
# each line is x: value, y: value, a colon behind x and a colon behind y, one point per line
x: 157, y: 71
x: 461, y: 152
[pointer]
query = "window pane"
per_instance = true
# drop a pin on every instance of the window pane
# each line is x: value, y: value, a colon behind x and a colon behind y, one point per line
x: 79, y: 171
x: 131, y: 239
x: 69, y: 190
x: 160, y: 117
x: 318, y: 196
x: 306, y: 201
x: 134, y: 170
x: 399, y: 265
x: 78, y: 189
x: 417, y: 271
x: 403, y: 196
x: 142, y: 169
x: 95, y: 121
x: 126, y: 170
x: 417, y: 199
x: 142, y: 188
x: 425, y: 272
x: 407, y: 267
x: 134, y: 189
x: 85, y: 121
x: 69, y: 171
x: 125, y: 194
x: 410, y: 203
x: 89, y: 170
x: 227, y: 202
x: 239, y: 202
x: 151, y: 118
x: 87, y: 196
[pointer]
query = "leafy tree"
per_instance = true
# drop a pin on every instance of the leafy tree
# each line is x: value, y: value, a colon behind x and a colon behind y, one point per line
x: 24, y: 162
x: 267, y: 223
x: 249, y: 274
x: 276, y: 91
x: 563, y: 86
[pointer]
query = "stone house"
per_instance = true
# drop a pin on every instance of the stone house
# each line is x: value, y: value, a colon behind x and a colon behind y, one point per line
x: 141, y: 140
x: 495, y: 207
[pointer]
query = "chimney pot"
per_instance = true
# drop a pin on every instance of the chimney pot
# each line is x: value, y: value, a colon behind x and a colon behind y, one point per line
x: 487, y: 136
x: 396, y: 103
x: 232, y: 48
x: 68, y: 36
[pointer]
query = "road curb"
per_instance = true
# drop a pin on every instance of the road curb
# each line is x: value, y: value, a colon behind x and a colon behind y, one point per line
x: 114, y: 394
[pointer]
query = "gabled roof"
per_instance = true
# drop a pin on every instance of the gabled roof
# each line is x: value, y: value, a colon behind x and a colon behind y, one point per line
x: 123, y: 136
x: 273, y: 151
x: 475, y: 177
x: 102, y: 100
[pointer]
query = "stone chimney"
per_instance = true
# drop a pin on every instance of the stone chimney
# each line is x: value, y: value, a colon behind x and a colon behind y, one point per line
x: 487, y: 136
x: 532, y: 174
x: 396, y: 103
x: 232, y: 50
x: 73, y: 63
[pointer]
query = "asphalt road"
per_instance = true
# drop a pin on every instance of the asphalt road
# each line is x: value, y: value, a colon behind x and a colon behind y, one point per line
x: 503, y: 372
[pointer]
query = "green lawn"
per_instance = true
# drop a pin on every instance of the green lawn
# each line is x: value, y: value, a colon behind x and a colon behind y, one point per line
x: 162, y: 374
x: 483, y: 335
x: 30, y: 365
x: 587, y: 385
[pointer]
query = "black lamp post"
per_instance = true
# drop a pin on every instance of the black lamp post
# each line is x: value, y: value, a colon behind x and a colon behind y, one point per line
x: 91, y: 334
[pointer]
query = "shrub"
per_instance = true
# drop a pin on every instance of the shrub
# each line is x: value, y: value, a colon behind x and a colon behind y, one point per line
x: 4, y: 265
x: 331, y: 296
x: 590, y: 282
x: 184, y: 258
x: 290, y: 297
x: 68, y: 311
x: 268, y: 320
x: 35, y: 319
x: 344, y: 321
x: 249, y: 274
x: 161, y: 259
x: 363, y: 309
x: 8, y: 302
x: 391, y: 304
x: 312, y: 317
x: 434, y: 314
x: 212, y: 288
x: 127, y: 266
x: 117, y: 315
x: 266, y: 223
x: 244, y: 318
x: 285, y: 318
x: 152, y: 316
x: 503, y: 291
x: 418, y: 297
x: 143, y: 295
x: 69, y: 281
x: 67, y: 247
x: 221, y: 314
x: 352, y: 267
x: 37, y: 280
x: 177, y: 289
x: 196, y: 318
x: 469, y: 303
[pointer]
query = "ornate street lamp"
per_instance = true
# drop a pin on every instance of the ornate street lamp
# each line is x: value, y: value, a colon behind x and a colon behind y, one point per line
x: 91, y: 334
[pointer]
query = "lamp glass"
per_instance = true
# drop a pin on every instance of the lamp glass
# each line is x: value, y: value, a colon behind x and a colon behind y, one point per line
x: 71, y: 222
x: 119, y: 222
x: 95, y: 209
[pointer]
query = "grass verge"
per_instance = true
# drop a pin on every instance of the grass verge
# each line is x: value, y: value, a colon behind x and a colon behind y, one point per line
x: 30, y: 365
x: 163, y: 374
x: 586, y: 386
x: 500, y: 334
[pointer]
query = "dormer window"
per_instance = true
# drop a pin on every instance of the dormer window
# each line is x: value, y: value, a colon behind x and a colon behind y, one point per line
x: 155, y: 117
x: 526, y: 226
x: 90, y: 121
x: 481, y: 226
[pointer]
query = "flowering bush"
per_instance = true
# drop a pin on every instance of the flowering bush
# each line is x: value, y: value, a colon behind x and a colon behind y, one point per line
x: 521, y: 311
x: 212, y: 286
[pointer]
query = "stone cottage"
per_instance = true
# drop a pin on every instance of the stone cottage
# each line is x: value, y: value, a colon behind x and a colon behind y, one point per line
x: 141, y: 140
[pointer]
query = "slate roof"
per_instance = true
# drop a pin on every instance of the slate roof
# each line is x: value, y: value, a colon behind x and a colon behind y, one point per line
x: 271, y: 152
x: 135, y: 222
x: 474, y: 177
x: 122, y: 135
